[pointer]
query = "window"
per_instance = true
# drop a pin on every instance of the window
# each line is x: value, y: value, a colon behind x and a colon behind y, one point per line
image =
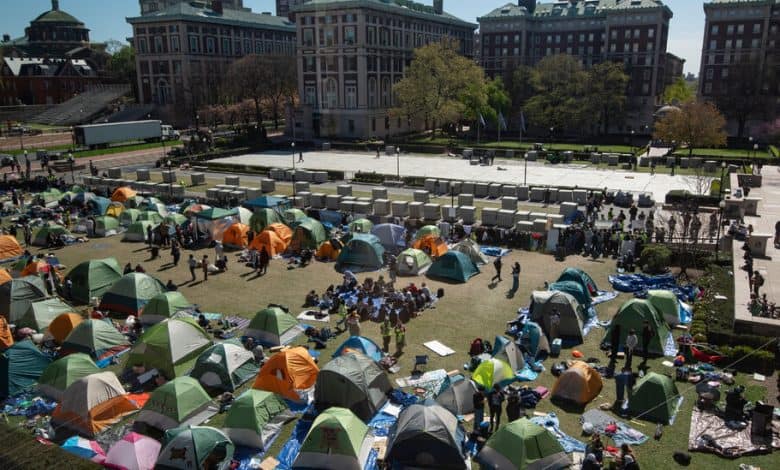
x: 351, y: 126
x: 176, y: 67
x: 310, y: 95
x: 142, y: 46
x: 728, y: 43
x: 175, y: 46
x: 651, y: 33
x: 582, y: 37
x: 645, y: 88
x: 590, y: 37
x: 309, y: 65
x: 636, y: 47
x: 754, y: 43
x: 308, y: 37
x: 649, y: 47
x: 613, y: 47
x: 627, y: 33
x: 715, y: 29
x: 636, y: 34
x: 711, y: 59
x: 740, y: 28
x: 613, y: 33
x: 557, y: 39
x: 331, y: 98
x: 724, y: 72
x: 371, y: 35
x: 730, y: 29
x: 350, y: 93
x: 708, y: 88
x: 211, y: 46
x: 194, y: 45
x: 773, y: 29
x: 349, y: 35
x: 330, y: 37
x: 163, y: 93
x: 158, y: 44
x: 350, y: 64
x: 756, y: 28
x: 372, y: 92
x: 709, y: 73
x: 385, y: 92
x: 739, y: 43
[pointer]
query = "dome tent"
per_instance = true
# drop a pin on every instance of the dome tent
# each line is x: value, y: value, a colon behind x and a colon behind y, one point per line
x: 41, y: 236
x: 162, y: 306
x: 236, y: 236
x: 308, y: 234
x: 457, y: 398
x: 413, y: 262
x: 470, y: 248
x: 454, y: 266
x: 131, y: 293
x: 94, y: 337
x: 10, y: 249
x: 262, y: 218
x: 362, y: 345
x: 133, y: 452
x: 60, y: 374
x: 173, y: 404
x: 523, y: 444
x: 391, y: 236
x: 128, y: 216
x: 492, y: 372
x: 534, y: 341
x: 187, y: 448
x: 224, y: 366
x: 42, y: 312
x: 666, y: 303
x: 576, y: 290
x: 273, y: 326
x: 169, y: 346
x: 352, y: 381
x: 63, y: 324
x: 136, y: 231
x: 654, y: 398
x: 337, y: 440
x: 427, y: 231
x: 363, y: 252
x: 282, y: 231
x: 288, y: 372
x: 632, y: 315
x: 426, y: 436
x: 21, y: 365
x: 506, y: 350
x: 251, y: 419
x: 433, y: 246
x: 270, y: 241
x: 580, y: 277
x: 329, y: 250
x: 579, y: 384
x: 545, y: 303
x: 361, y: 226
x: 17, y: 295
x: 106, y: 226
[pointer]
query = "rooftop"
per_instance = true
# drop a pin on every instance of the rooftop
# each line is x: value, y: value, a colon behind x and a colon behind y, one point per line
x: 405, y: 7
x: 199, y: 13
x: 568, y: 9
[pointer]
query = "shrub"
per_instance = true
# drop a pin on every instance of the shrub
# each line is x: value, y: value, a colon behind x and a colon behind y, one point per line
x: 749, y: 360
x: 655, y: 259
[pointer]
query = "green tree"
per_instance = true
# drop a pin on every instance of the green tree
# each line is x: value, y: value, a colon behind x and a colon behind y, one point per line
x: 559, y: 99
x: 605, y: 93
x: 121, y: 66
x: 678, y: 92
x: 696, y: 124
x: 498, y: 100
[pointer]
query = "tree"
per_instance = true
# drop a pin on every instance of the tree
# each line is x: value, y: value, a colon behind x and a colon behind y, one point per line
x: 520, y: 88
x: 559, y: 102
x: 678, y: 92
x: 696, y: 124
x: 264, y: 79
x: 605, y: 93
x: 770, y: 132
x: 121, y: 67
x: 441, y: 87
x: 498, y: 101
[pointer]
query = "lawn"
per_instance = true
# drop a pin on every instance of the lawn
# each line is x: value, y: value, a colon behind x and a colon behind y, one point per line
x: 724, y: 153
x: 106, y: 151
x: 515, y: 145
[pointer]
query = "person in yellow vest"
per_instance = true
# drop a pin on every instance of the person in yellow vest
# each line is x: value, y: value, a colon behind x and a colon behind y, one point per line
x: 385, y: 330
x: 400, y: 338
x: 353, y: 323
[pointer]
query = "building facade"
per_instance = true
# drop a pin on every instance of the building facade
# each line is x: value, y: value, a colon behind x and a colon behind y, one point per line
x: 352, y: 52
x: 286, y: 7
x: 740, y: 62
x: 183, y: 52
x: 633, y: 32
x: 152, y: 6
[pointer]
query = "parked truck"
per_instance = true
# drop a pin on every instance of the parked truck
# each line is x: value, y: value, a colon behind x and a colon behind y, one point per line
x: 102, y: 135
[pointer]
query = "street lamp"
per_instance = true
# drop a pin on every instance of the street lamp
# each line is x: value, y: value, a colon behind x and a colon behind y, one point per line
x: 170, y: 180
x: 633, y: 149
x: 750, y: 146
x: 721, y: 208
x: 398, y: 163
x: 525, y: 172
x: 552, y: 129
x: 292, y: 145
x: 722, y: 174
x: 72, y: 164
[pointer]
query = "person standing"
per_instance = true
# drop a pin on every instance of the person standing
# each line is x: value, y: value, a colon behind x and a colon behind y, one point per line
x: 175, y: 252
x: 515, y: 277
x: 555, y: 321
x: 205, y: 266
x: 192, y: 263
x: 757, y: 282
x: 386, y: 330
x: 27, y: 235
x: 513, y: 406
x: 149, y: 236
x: 400, y: 338
x: 647, y: 335
x: 479, y: 406
x: 496, y: 401
x: 631, y: 343
x: 353, y: 323
x: 497, y: 264
x: 218, y: 250
x: 264, y: 261
x: 300, y: 156
x: 90, y: 227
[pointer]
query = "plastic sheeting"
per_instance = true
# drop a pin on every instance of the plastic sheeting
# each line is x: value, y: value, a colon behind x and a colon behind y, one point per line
x: 639, y: 284
x: 551, y: 423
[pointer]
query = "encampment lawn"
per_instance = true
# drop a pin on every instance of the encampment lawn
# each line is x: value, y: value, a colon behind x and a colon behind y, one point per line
x: 467, y: 311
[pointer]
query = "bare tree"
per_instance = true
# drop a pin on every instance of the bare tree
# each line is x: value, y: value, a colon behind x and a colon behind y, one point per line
x: 266, y: 80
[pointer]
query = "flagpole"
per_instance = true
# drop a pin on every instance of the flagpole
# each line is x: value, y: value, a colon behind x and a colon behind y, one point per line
x: 477, y: 132
x: 500, y: 125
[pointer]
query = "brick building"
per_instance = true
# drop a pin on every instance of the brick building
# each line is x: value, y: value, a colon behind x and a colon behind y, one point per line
x: 285, y: 7
x: 352, y: 52
x: 151, y: 6
x: 630, y: 31
x: 183, y: 52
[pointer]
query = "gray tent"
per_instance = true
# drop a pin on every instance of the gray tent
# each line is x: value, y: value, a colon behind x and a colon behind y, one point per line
x: 353, y: 381
x: 458, y: 397
x: 426, y: 437
x: 17, y: 295
x: 470, y: 248
x: 544, y: 303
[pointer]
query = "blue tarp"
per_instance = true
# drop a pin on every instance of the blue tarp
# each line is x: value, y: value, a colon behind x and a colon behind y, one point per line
x: 333, y: 218
x: 550, y: 422
x: 268, y: 202
x: 639, y: 284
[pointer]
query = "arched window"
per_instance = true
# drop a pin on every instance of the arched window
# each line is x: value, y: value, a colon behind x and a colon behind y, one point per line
x: 372, y: 92
x: 385, y: 92
x: 164, y: 93
x: 331, y: 94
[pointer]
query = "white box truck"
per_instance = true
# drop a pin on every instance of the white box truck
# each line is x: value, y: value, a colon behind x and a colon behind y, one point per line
x: 101, y: 135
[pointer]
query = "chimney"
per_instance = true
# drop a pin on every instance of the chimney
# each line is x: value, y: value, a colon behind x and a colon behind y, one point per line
x: 438, y: 6
x: 55, y: 5
x: 530, y: 5
x: 216, y: 6
x: 6, y: 37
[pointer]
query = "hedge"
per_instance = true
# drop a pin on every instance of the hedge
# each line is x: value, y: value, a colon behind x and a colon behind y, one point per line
x: 678, y: 196
x: 748, y: 359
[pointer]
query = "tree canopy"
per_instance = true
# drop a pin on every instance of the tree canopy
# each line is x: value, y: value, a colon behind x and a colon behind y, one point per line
x: 696, y: 124
x: 678, y: 92
x: 266, y: 80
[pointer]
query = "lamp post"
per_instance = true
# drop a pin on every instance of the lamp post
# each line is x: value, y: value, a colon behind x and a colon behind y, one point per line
x: 398, y: 163
x: 525, y: 171
x: 633, y: 149
x: 722, y: 174
x: 72, y: 162
x: 552, y: 129
x: 293, y: 166
x: 170, y: 180
x: 755, y: 151
x: 750, y: 146
x: 721, y: 208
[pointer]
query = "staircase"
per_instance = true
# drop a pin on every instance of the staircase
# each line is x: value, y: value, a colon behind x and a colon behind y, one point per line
x: 84, y: 107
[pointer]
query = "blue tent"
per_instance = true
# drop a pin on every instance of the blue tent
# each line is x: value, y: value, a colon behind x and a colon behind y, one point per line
x: 268, y: 202
x: 360, y: 344
x: 576, y: 290
x: 534, y: 341
x: 455, y: 266
x: 363, y: 252
x: 98, y: 205
x: 20, y: 367
x: 391, y: 236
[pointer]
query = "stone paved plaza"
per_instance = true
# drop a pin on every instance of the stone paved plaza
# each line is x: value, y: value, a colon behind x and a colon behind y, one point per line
x: 512, y: 171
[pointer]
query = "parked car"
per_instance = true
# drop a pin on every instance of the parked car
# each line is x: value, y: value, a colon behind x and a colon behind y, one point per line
x: 6, y: 160
x: 21, y: 130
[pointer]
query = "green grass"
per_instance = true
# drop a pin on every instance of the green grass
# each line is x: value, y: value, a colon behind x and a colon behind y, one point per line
x: 514, y: 145
x: 774, y: 151
x: 724, y: 153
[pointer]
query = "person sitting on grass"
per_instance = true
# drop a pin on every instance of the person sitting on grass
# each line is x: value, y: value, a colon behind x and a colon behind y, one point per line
x: 312, y: 299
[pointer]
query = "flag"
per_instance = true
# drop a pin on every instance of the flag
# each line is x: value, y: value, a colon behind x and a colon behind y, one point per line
x: 501, y: 120
x: 522, y: 121
x: 481, y: 120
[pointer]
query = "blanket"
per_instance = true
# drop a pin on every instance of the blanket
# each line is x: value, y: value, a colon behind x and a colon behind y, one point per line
x: 432, y: 383
x: 312, y: 316
x: 527, y: 374
x: 439, y: 348
x: 639, y: 284
x: 625, y: 433
x: 709, y: 433
x: 292, y: 447
x: 494, y: 251
x: 551, y: 423
x: 28, y: 404
x: 604, y: 296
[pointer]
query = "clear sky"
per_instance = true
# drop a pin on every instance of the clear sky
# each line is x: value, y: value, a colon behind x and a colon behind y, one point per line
x: 106, y: 19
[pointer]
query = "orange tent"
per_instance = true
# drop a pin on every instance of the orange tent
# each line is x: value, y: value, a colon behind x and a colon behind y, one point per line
x: 5, y: 276
x: 282, y: 231
x: 6, y: 338
x: 269, y: 240
x: 61, y: 326
x: 326, y: 252
x: 34, y: 268
x: 287, y: 371
x: 432, y: 245
x: 123, y: 194
x: 236, y: 235
x: 9, y: 247
x: 578, y: 384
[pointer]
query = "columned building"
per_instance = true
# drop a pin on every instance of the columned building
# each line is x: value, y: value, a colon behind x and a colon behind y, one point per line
x: 285, y: 7
x: 151, y: 6
x: 633, y: 32
x: 352, y: 52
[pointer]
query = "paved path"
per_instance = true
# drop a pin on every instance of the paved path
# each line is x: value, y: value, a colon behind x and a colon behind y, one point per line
x: 34, y: 142
x: 513, y: 172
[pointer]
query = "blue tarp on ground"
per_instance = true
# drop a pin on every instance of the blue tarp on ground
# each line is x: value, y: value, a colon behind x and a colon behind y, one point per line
x: 639, y: 284
x: 551, y: 423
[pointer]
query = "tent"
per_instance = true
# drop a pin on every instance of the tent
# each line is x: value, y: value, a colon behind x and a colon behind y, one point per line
x: 236, y: 236
x: 492, y: 372
x: 17, y: 295
x: 337, y: 440
x: 308, y: 235
x: 576, y: 290
x: 363, y: 226
x: 666, y: 303
x: 362, y: 253
x: 5, y: 276
x: 136, y: 231
x: 123, y: 193
x: 131, y: 293
x: 191, y: 209
x: 49, y: 197
x: 284, y: 232
x: 509, y: 352
x: 268, y: 202
x: 533, y: 340
x: 187, y: 448
x: 470, y: 248
x: 212, y: 223
x: 106, y: 226
x: 42, y: 312
x: 273, y: 326
x: 328, y: 251
x: 453, y: 266
x: 6, y: 337
x: 413, y: 262
x: 432, y: 246
x: 457, y: 398
x: 287, y: 372
x: 391, y: 236
x: 175, y: 218
x: 60, y: 374
x: 173, y: 404
x: 9, y: 248
x: 134, y: 202
x: 128, y: 216
x: 269, y: 240
x: 93, y: 403
x: 545, y: 303
x: 20, y: 367
x: 150, y: 216
x: 93, y: 278
x: 169, y: 346
x: 94, y: 337
x: 98, y: 205
x: 290, y: 216
x: 84, y: 448
x: 36, y: 268
x: 63, y: 324
x: 154, y: 205
x: 523, y: 444
x: 352, y: 381
x: 133, y: 452
x: 243, y: 216
x: 580, y: 277
x: 162, y: 306
x: 426, y: 436
x: 224, y: 366
x: 427, y: 231
x: 250, y: 420
x: 362, y: 345
x: 579, y: 384
x: 115, y: 209
x: 654, y: 398
x: 262, y: 218
x: 632, y: 315
x: 41, y: 236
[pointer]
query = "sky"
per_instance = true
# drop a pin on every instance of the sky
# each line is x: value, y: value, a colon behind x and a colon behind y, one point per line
x: 106, y: 19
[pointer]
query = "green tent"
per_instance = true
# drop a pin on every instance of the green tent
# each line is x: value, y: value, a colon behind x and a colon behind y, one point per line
x: 654, y: 398
x: 16, y: 296
x: 224, y: 366
x: 94, y: 337
x: 169, y: 346
x: 337, y: 439
x: 273, y: 326
x: 215, y: 213
x: 427, y: 230
x: 413, y: 262
x: 162, y: 306
x: 361, y: 226
x: 42, y: 312
x: 41, y: 236
x: 106, y: 225
x: 250, y: 420
x: 136, y: 232
x: 290, y: 216
x: 175, y: 218
x: 632, y: 315
x: 364, y: 252
x: 666, y: 303
x: 426, y: 435
x: 93, y: 278
x: 574, y: 289
x: 128, y: 216
x: 20, y: 367
x: 523, y: 444
x: 174, y: 403
x: 48, y: 197
x: 308, y: 234
x: 187, y: 447
x: 150, y: 216
x: 64, y: 371
x: 580, y: 277
x: 353, y: 381
x: 131, y: 293
x: 262, y: 218
x: 454, y: 266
